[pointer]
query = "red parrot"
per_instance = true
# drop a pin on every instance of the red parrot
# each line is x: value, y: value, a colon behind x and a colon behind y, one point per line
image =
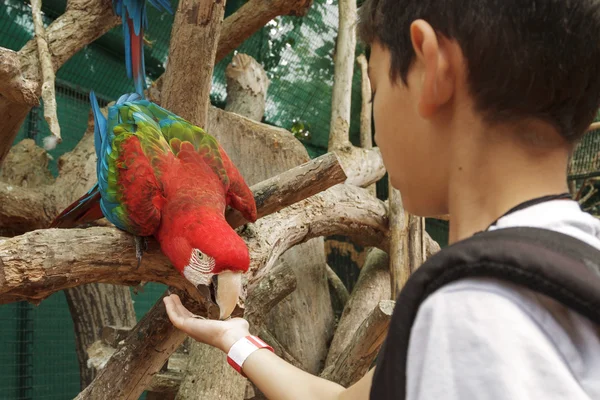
x: 159, y: 175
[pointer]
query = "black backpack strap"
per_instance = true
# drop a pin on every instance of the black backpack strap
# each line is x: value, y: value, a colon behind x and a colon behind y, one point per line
x: 551, y: 263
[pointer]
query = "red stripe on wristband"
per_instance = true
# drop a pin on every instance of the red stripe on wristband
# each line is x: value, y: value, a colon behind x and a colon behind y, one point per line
x: 241, y: 350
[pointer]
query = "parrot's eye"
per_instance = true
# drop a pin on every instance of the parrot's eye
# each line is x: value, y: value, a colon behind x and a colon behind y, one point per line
x: 201, y: 262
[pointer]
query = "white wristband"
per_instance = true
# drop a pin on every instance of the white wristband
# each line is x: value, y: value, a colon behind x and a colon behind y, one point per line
x: 241, y: 350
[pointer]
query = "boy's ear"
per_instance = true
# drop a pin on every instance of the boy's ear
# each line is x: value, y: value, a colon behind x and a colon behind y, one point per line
x: 436, y: 80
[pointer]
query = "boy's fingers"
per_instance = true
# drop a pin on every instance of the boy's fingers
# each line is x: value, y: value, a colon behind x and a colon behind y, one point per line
x: 181, y: 309
x: 174, y: 315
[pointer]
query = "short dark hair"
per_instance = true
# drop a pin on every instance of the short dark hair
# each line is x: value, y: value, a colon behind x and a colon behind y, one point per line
x: 526, y: 58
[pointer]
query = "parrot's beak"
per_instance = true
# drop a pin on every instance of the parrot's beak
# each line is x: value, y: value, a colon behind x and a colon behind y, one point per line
x: 229, y: 289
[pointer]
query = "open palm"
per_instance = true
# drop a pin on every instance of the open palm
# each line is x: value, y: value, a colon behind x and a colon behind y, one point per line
x: 220, y: 334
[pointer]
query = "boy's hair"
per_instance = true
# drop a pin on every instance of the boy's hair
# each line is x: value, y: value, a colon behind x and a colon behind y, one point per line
x: 526, y: 58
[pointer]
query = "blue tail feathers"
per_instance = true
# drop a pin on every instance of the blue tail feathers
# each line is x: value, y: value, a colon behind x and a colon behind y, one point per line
x: 134, y: 20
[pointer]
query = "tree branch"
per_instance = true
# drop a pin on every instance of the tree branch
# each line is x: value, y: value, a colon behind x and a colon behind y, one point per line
x: 344, y: 69
x: 338, y: 287
x: 399, y: 262
x: 358, y: 356
x: 251, y: 17
x: 341, y: 210
x: 294, y: 185
x: 83, y: 22
x: 191, y: 65
x: 366, y: 111
x: 143, y: 354
x: 247, y: 85
x: 364, y: 166
x: 39, y: 263
x: 594, y: 126
x: 15, y: 87
x: 48, y: 92
x: 373, y: 286
x: 267, y: 293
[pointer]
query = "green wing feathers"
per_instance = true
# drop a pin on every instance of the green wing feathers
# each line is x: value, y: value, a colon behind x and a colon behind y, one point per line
x: 178, y: 131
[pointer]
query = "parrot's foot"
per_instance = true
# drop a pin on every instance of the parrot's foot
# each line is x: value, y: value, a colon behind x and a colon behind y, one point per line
x: 141, y: 245
x: 139, y: 288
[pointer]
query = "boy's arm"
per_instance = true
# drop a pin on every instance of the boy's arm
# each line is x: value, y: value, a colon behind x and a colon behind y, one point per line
x: 277, y: 379
x: 474, y: 342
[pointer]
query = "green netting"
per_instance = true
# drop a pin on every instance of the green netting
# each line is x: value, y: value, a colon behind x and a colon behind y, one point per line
x: 586, y: 158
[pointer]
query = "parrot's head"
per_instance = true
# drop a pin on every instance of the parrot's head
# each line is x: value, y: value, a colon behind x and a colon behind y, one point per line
x: 208, y: 247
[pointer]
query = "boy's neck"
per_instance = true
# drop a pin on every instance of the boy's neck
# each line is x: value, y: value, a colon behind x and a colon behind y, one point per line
x: 498, y: 171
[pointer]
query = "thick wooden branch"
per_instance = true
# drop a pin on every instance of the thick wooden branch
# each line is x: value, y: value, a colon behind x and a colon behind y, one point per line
x: 15, y: 87
x: 242, y: 24
x: 191, y: 65
x: 267, y: 293
x: 247, y: 85
x: 142, y: 354
x: 39, y: 263
x: 165, y: 382
x: 292, y: 186
x: 399, y: 261
x: 341, y: 210
x: 366, y: 110
x: 344, y: 69
x: 251, y: 17
x: 358, y: 356
x: 416, y: 242
x: 338, y: 287
x: 363, y: 166
x: 83, y: 22
x: 100, y: 352
x: 373, y: 286
x: 48, y: 78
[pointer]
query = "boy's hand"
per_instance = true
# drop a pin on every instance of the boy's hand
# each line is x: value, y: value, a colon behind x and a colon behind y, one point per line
x: 220, y: 334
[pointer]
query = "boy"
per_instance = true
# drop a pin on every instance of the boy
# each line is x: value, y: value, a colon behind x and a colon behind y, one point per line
x: 477, y: 106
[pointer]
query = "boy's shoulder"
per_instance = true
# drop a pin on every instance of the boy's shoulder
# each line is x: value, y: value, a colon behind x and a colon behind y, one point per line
x: 495, y: 332
x: 470, y: 298
x: 497, y: 301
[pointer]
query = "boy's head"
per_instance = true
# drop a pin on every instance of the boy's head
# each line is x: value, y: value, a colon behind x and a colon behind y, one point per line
x: 526, y: 66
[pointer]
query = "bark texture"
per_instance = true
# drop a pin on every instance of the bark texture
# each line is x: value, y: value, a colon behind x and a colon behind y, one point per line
x: 247, y: 85
x: 373, y: 286
x: 48, y: 78
x: 83, y: 22
x: 195, y: 20
x: 93, y: 307
x: 364, y: 345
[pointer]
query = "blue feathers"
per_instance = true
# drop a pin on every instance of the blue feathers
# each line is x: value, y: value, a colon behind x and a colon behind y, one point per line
x: 135, y: 20
x: 99, y: 124
x: 103, y: 138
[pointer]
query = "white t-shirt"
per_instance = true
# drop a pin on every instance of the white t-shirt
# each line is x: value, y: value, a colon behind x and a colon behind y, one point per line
x: 482, y: 338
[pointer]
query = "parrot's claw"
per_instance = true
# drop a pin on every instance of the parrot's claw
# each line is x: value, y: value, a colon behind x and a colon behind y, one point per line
x: 141, y: 245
